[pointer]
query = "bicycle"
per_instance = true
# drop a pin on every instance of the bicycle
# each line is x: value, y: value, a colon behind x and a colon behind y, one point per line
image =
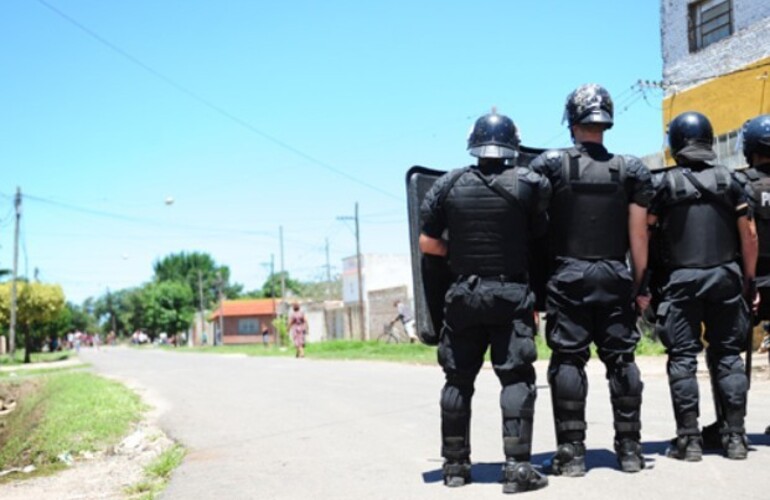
x: 389, y: 334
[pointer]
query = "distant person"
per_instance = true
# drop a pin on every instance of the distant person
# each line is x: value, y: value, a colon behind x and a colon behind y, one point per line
x: 298, y: 329
x: 265, y: 335
x: 405, y: 316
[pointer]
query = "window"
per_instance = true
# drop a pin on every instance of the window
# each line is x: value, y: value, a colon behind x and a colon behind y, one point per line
x: 709, y: 21
x: 728, y: 150
x: 248, y: 326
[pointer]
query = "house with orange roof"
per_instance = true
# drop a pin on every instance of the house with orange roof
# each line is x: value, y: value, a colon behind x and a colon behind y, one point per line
x: 243, y: 320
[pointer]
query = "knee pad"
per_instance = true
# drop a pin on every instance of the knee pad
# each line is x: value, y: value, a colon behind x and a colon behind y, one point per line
x: 625, y: 380
x: 518, y: 401
x: 567, y: 379
x: 455, y: 398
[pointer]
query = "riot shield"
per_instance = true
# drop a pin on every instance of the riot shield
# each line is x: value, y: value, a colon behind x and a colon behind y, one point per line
x: 431, y: 281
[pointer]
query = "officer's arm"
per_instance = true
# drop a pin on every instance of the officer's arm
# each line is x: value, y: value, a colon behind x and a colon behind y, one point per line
x: 432, y: 246
x: 638, y: 241
x: 749, y: 247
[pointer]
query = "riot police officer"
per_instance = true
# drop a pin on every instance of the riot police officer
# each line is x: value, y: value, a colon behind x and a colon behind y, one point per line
x: 489, y: 212
x: 703, y: 226
x: 756, y: 182
x: 598, y: 213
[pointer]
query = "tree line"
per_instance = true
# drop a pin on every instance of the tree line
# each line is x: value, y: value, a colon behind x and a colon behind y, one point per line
x: 182, y: 284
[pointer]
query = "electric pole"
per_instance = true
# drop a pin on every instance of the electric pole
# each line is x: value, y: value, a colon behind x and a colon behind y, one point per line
x: 12, y: 327
x: 328, y: 272
x: 220, y: 284
x: 276, y: 336
x: 361, y: 306
x: 283, y: 275
x: 200, y: 305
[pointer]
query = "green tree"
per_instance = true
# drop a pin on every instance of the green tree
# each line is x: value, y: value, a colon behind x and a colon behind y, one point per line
x: 197, y: 268
x: 38, y: 306
x: 167, y: 307
x: 272, y: 286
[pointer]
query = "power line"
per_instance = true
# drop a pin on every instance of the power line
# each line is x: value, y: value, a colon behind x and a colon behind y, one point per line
x: 207, y: 103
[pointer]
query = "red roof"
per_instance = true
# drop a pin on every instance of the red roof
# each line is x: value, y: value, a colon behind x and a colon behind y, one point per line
x: 247, y: 307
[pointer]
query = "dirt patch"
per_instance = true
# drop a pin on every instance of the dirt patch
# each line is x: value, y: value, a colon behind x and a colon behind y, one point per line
x: 101, y: 475
x: 104, y: 474
x: 11, y: 393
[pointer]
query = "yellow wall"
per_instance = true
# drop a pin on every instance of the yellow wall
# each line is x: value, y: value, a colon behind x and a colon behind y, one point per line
x: 728, y: 101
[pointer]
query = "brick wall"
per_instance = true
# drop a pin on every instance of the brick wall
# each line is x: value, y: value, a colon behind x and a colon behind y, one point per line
x: 750, y: 42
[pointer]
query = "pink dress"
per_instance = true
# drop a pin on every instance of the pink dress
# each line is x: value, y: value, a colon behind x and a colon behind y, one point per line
x: 297, y: 328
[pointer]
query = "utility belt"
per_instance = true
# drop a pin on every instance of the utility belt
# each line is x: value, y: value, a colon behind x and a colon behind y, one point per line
x: 522, y: 278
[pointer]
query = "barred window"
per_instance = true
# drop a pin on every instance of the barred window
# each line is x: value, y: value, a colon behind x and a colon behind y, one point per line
x: 248, y: 326
x: 728, y: 152
x: 709, y: 21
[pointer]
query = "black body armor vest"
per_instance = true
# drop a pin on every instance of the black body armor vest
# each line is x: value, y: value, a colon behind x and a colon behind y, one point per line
x: 698, y: 229
x: 589, y: 210
x: 488, y: 235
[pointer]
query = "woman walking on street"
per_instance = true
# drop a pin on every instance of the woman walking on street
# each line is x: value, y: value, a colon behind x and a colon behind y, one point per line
x: 298, y: 329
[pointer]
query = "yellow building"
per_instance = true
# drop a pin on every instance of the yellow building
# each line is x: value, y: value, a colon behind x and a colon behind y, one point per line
x: 716, y: 60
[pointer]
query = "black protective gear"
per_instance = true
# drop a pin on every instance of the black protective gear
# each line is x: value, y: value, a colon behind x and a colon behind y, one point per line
x: 710, y: 297
x: 697, y: 227
x: 494, y: 136
x: 589, y: 103
x: 456, y: 473
x: 569, y: 460
x: 590, y: 208
x: 757, y: 187
x: 481, y: 313
x: 491, y: 213
x: 690, y: 132
x: 629, y: 453
x: 686, y: 447
x: 755, y: 136
x: 521, y: 476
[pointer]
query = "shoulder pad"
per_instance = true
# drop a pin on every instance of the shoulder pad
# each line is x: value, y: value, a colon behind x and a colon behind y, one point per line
x: 553, y: 155
x: 529, y: 175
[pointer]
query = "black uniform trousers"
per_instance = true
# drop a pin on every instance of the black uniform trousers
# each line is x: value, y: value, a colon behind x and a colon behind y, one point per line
x: 590, y: 301
x: 481, y: 313
x: 711, y: 297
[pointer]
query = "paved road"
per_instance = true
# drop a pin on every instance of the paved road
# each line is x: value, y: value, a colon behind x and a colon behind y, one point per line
x: 264, y: 428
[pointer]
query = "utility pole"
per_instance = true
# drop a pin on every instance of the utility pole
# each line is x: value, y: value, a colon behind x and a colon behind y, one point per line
x: 283, y: 275
x: 12, y: 328
x: 200, y: 305
x: 276, y: 336
x: 362, y: 310
x: 361, y: 307
x: 328, y: 272
x: 220, y: 284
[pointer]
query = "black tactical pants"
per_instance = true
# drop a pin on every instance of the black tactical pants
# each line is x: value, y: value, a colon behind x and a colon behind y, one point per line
x: 481, y: 313
x: 710, y: 297
x: 590, y: 301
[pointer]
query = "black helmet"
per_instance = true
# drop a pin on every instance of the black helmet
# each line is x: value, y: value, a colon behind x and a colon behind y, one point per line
x: 589, y: 103
x: 756, y: 137
x: 690, y: 129
x: 494, y: 136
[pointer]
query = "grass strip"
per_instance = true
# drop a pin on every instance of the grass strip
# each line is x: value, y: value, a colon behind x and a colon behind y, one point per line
x: 66, y: 413
x: 157, y: 474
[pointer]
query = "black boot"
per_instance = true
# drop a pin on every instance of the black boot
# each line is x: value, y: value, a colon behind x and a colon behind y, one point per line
x: 735, y: 445
x: 629, y: 453
x: 456, y: 473
x: 569, y: 460
x: 521, y: 476
x: 686, y: 447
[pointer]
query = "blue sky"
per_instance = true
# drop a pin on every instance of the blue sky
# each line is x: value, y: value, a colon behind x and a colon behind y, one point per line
x: 257, y: 115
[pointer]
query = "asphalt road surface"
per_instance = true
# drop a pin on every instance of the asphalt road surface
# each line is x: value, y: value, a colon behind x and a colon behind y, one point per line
x: 285, y: 428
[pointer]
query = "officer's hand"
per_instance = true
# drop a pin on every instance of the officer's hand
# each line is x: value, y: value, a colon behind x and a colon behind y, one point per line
x: 642, y: 303
x: 755, y: 303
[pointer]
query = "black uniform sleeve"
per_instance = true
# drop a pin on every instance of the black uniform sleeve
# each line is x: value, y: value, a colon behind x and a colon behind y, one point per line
x: 640, y: 180
x: 541, y: 189
x: 432, y: 210
x: 739, y: 196
x: 548, y: 164
x: 659, y: 193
